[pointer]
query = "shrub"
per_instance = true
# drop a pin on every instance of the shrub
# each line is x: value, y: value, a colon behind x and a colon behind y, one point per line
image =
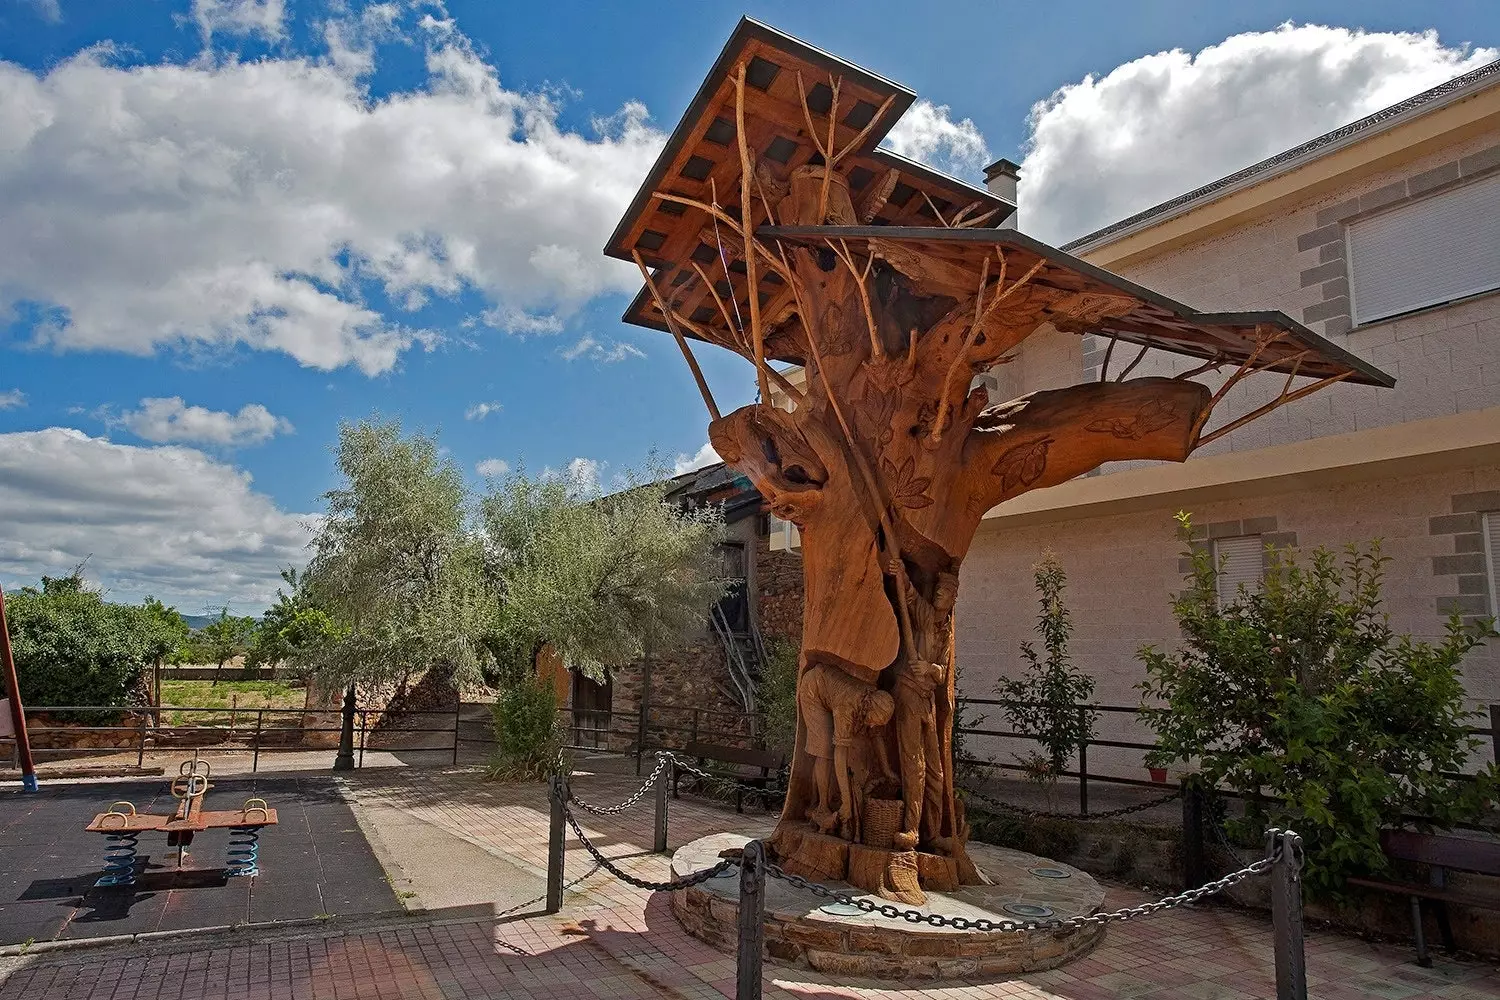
x: 1045, y: 701
x: 72, y: 647
x: 1301, y: 698
x: 528, y: 735
x: 778, y: 696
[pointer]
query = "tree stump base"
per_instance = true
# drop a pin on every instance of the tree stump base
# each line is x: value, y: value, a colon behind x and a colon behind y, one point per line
x: 812, y: 855
x: 890, y: 875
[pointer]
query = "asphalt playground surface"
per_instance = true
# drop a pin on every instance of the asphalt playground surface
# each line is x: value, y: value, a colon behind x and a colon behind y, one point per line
x: 314, y: 862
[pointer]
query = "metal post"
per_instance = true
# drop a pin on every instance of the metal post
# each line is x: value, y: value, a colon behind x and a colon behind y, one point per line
x: 255, y: 760
x: 458, y: 710
x: 662, y: 781
x: 555, y: 843
x: 1083, y: 766
x: 1194, y: 864
x: 752, y: 921
x: 1286, y: 915
x: 12, y: 687
x: 640, y: 726
x: 364, y: 732
x: 345, y: 759
x: 1495, y: 731
x: 140, y: 749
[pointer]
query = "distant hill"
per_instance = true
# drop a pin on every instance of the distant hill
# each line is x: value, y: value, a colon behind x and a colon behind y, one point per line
x: 198, y: 621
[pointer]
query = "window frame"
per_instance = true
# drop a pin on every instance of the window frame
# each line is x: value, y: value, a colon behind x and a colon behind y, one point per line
x: 1213, y: 552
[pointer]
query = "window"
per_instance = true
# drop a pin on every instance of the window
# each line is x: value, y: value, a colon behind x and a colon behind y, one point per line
x: 1426, y: 252
x: 1240, y: 561
x: 1491, y: 525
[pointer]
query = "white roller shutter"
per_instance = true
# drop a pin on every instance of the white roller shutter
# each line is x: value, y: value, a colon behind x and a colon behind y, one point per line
x: 1492, y: 554
x: 1426, y: 252
x: 1240, y: 561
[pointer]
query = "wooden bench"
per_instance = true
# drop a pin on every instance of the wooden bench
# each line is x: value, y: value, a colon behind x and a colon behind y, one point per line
x: 1439, y: 852
x: 760, y: 769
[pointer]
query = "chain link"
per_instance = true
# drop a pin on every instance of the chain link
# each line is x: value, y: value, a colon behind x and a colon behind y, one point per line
x: 985, y: 924
x: 990, y: 800
x: 640, y: 883
x: 724, y: 780
x: 661, y: 765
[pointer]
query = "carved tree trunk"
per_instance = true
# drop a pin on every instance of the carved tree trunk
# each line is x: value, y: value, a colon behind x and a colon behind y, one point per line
x: 887, y: 466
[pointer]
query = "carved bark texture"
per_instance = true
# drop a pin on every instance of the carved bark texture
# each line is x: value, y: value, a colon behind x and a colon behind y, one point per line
x: 887, y: 464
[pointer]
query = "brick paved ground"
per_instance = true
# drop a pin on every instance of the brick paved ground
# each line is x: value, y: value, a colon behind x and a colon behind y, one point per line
x: 615, y: 941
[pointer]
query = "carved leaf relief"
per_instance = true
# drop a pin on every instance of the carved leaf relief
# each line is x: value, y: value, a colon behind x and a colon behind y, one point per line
x: 1153, y: 415
x: 907, y: 489
x: 1022, y: 464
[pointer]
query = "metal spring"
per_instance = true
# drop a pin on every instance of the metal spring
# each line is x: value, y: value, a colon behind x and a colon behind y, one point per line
x: 244, y: 851
x: 119, y: 859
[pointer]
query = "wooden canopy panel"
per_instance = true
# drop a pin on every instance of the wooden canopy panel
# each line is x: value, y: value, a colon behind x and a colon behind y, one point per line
x: 1070, y: 293
x: 702, y: 158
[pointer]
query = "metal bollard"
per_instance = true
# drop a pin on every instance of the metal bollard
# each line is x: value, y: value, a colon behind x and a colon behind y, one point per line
x: 662, y: 781
x: 752, y: 921
x: 1194, y: 859
x: 1286, y: 914
x: 558, y: 786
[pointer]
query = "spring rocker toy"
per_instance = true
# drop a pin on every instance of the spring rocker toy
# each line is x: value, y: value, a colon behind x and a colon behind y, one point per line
x: 122, y: 826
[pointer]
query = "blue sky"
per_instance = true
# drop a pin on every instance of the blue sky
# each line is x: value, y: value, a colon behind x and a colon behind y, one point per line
x: 226, y: 225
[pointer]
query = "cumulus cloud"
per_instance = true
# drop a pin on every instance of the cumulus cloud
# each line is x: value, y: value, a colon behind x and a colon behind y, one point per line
x: 223, y: 203
x: 928, y: 133
x: 12, y: 399
x: 1161, y: 125
x: 702, y: 457
x: 170, y: 419
x: 583, y: 472
x: 595, y: 350
x: 492, y: 467
x: 481, y: 410
x: 239, y: 17
x: 169, y: 521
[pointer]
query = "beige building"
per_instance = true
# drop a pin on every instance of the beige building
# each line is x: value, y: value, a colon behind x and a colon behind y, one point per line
x: 1384, y: 236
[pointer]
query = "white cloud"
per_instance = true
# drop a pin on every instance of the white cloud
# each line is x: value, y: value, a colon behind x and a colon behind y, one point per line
x: 927, y: 133
x: 169, y: 521
x: 688, y: 463
x: 595, y: 350
x: 481, y: 410
x: 11, y: 399
x: 1161, y: 125
x: 222, y: 203
x: 48, y: 10
x: 492, y: 467
x: 170, y: 419
x: 240, y: 17
x: 582, y: 472
x: 520, y: 322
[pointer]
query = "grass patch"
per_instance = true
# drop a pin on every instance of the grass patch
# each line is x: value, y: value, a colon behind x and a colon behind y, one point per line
x: 233, y: 702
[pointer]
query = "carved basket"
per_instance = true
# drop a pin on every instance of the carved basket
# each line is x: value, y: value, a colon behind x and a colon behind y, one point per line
x: 882, y: 819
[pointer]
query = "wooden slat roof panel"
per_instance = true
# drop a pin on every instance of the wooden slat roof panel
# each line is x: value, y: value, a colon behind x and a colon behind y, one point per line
x: 702, y: 156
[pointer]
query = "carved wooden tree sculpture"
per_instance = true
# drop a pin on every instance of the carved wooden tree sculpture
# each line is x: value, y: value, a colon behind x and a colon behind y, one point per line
x: 884, y: 456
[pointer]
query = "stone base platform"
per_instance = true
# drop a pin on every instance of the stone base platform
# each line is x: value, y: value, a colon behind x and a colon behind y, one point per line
x: 866, y: 944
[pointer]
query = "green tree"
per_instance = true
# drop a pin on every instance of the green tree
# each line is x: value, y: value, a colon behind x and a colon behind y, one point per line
x: 226, y: 637
x: 1303, y: 699
x: 1047, y: 701
x: 596, y: 576
x: 291, y: 630
x: 175, y: 632
x: 72, y: 647
x: 395, y: 568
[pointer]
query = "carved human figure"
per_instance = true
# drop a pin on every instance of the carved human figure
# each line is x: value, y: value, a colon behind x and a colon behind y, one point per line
x: 836, y: 710
x: 917, y: 744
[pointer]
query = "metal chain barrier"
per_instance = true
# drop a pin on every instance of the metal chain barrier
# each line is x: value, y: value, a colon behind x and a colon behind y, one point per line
x: 640, y: 883
x: 985, y: 924
x: 1092, y: 817
x: 720, y: 779
x: 661, y: 766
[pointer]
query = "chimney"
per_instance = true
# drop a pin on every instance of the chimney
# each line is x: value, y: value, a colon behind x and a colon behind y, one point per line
x: 1001, y: 177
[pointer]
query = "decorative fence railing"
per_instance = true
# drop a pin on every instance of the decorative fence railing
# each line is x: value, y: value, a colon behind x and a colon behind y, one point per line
x: 1282, y: 862
x: 111, y: 731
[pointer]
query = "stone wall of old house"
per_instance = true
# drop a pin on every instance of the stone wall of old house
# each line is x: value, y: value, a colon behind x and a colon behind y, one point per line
x: 690, y: 688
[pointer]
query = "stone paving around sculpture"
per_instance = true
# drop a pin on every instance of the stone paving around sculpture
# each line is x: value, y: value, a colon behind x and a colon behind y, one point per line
x: 467, y: 858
